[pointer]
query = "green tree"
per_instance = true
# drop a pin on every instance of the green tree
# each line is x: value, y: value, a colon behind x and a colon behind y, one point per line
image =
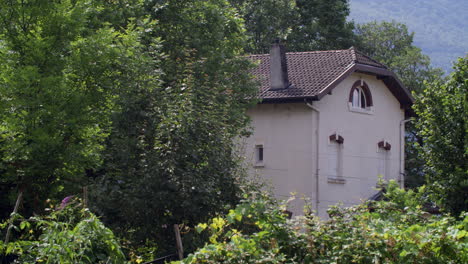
x: 60, y: 73
x: 303, y: 25
x: 392, y: 44
x: 322, y: 25
x: 384, y: 41
x: 266, y: 21
x: 442, y: 109
x: 170, y: 157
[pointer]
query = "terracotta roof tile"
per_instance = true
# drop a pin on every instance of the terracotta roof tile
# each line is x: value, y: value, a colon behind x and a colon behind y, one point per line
x: 309, y: 72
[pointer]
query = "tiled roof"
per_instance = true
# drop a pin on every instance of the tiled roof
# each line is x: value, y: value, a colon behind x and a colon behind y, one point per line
x: 310, y: 73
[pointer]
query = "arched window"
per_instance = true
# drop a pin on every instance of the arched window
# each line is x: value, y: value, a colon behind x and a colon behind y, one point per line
x: 360, y: 96
x: 359, y: 99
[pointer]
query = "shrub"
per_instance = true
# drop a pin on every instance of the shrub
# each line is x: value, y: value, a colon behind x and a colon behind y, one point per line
x: 256, y: 231
x: 394, y: 230
x: 68, y: 235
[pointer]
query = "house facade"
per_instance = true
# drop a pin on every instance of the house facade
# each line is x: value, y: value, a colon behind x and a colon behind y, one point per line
x: 328, y: 124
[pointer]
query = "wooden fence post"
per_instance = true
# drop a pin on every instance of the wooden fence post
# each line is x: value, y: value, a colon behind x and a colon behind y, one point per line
x: 180, y: 249
x: 85, y: 196
x: 19, y: 199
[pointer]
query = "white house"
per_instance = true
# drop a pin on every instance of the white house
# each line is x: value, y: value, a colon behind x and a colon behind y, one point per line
x: 328, y: 124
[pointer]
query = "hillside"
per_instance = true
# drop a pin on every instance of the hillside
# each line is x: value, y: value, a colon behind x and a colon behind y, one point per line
x: 440, y: 26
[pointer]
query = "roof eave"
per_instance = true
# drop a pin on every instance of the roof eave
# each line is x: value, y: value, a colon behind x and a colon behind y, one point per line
x: 385, y: 74
x: 389, y: 78
x: 272, y: 100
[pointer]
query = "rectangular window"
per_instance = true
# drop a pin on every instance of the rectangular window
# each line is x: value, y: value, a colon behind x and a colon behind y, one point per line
x: 335, y: 163
x: 382, y: 163
x: 260, y: 154
x: 333, y: 166
x: 259, y: 157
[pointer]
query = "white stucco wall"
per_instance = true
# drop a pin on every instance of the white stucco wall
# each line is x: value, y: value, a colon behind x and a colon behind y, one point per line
x: 288, y: 133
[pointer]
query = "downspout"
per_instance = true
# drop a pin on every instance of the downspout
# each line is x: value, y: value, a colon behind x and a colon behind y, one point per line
x: 401, y: 176
x: 317, y: 133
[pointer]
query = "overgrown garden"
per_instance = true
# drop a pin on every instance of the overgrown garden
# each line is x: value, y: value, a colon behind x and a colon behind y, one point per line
x: 130, y: 109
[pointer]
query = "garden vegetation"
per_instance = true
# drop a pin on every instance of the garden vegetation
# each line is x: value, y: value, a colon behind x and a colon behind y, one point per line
x: 133, y: 106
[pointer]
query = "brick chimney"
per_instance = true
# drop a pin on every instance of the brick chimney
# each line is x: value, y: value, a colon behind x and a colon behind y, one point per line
x: 278, y: 67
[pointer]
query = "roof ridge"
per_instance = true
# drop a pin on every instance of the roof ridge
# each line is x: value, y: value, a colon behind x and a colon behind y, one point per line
x: 367, y: 57
x: 303, y: 52
x: 315, y: 51
x: 353, y: 54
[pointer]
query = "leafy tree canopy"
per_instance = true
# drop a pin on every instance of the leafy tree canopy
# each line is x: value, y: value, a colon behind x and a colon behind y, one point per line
x: 442, y: 109
x: 322, y: 25
x: 60, y: 71
x: 303, y: 25
x: 392, y: 44
x: 170, y: 157
x: 142, y: 100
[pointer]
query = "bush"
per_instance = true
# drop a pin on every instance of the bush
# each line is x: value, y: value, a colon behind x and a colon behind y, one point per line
x: 68, y: 235
x: 395, y: 230
x: 256, y: 231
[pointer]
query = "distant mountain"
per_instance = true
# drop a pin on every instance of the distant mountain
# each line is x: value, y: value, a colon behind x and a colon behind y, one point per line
x: 440, y: 26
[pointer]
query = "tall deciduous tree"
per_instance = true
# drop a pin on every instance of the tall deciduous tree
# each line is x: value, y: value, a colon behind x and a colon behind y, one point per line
x: 170, y: 157
x: 443, y: 109
x: 384, y: 41
x: 322, y: 25
x: 303, y: 25
x: 392, y: 44
x: 60, y: 73
x: 266, y: 21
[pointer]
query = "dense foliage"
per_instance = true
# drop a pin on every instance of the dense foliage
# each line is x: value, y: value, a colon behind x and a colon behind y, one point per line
x: 322, y: 25
x: 304, y: 25
x: 139, y: 103
x: 170, y: 157
x: 139, y: 100
x: 61, y: 72
x: 394, y: 230
x: 69, y: 234
x: 49, y: 107
x: 391, y: 44
x: 443, y: 109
